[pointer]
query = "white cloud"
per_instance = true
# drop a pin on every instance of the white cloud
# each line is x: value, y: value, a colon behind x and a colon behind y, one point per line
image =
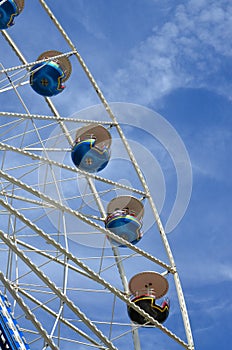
x: 187, y: 51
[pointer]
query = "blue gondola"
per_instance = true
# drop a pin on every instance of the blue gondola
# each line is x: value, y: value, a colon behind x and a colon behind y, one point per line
x: 125, y: 219
x: 11, y: 337
x: 9, y: 9
x: 47, y: 78
x: 146, y: 288
x: 124, y: 225
x: 91, y: 151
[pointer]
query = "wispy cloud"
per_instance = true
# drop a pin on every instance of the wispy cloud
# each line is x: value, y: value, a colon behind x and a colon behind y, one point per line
x: 190, y: 49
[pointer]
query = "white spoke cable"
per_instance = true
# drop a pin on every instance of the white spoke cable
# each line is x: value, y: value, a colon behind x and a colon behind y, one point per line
x: 27, y: 311
x: 82, y: 217
x: 56, y: 290
x: 55, y: 118
x: 42, y: 159
x: 28, y: 65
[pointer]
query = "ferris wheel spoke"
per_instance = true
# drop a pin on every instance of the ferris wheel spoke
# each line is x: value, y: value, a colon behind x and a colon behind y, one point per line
x: 49, y: 161
x: 91, y: 273
x: 57, y: 291
x: 62, y: 250
x: 61, y: 319
x: 54, y: 118
x: 84, y: 219
x: 27, y: 311
x: 60, y: 220
x: 76, y: 310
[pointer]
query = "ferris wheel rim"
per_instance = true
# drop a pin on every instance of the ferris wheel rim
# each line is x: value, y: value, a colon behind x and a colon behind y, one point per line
x: 170, y: 267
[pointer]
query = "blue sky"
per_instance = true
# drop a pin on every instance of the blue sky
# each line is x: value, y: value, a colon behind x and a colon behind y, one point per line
x: 174, y: 58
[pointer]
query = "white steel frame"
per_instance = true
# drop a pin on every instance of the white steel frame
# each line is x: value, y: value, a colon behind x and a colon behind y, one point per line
x: 78, y: 265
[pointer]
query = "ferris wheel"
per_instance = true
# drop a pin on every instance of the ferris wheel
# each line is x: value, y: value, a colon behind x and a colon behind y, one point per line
x: 78, y: 270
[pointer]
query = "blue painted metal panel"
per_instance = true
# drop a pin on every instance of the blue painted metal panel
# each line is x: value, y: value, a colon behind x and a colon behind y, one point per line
x: 11, y: 337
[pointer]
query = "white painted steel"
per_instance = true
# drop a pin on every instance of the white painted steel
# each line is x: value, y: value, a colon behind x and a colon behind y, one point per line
x: 57, y: 253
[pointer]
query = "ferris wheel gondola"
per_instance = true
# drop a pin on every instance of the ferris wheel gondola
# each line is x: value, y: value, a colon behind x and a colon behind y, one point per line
x: 146, y: 288
x: 9, y: 9
x: 47, y: 77
x: 124, y: 218
x: 91, y: 150
x: 67, y: 294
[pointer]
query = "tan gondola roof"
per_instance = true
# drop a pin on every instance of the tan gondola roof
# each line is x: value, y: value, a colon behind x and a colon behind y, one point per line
x: 63, y: 62
x: 20, y: 4
x: 149, y: 280
x: 101, y: 134
x: 122, y: 202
